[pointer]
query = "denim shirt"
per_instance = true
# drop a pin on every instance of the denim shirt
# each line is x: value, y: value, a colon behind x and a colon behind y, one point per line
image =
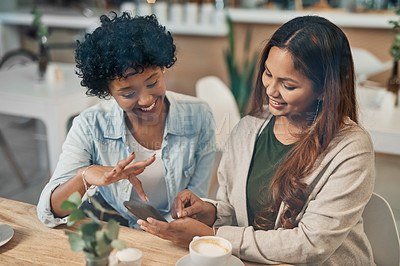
x: 98, y: 136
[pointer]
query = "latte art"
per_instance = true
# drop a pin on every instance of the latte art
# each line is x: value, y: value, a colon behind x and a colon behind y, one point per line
x: 210, y: 247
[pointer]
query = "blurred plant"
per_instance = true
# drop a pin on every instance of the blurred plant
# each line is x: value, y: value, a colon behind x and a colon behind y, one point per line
x: 42, y: 32
x: 241, y: 78
x: 395, y: 48
x: 92, y: 237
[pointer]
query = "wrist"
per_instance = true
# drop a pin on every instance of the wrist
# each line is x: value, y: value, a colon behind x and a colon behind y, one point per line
x: 86, y: 184
x: 211, y: 213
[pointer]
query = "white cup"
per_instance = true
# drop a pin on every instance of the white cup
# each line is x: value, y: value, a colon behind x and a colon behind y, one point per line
x: 129, y: 256
x: 144, y: 9
x: 176, y: 13
x: 206, y: 13
x: 191, y: 12
x: 210, y: 251
x: 160, y: 9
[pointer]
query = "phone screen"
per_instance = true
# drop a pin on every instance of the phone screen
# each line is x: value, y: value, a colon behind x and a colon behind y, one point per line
x: 143, y: 210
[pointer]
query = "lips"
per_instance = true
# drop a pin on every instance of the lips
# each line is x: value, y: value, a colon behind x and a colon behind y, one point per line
x: 276, y: 103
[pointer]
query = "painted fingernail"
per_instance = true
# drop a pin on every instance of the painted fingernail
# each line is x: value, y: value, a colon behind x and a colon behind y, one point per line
x: 154, y: 155
x: 133, y: 153
x: 114, y: 170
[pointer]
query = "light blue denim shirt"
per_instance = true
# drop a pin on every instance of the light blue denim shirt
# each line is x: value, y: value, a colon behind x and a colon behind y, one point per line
x: 98, y: 136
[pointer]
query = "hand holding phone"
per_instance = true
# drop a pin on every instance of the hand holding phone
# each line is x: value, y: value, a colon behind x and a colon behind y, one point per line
x: 143, y: 210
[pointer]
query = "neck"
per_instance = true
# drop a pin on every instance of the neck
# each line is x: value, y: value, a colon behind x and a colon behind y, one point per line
x: 287, y: 131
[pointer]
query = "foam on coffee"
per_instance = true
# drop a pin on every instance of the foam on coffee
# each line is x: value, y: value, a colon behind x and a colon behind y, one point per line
x: 209, y: 247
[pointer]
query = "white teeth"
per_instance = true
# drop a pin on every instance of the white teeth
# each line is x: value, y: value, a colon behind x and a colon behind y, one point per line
x: 146, y: 109
x: 275, y: 102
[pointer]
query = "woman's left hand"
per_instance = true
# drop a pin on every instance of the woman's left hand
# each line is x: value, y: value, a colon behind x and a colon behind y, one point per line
x: 180, y: 231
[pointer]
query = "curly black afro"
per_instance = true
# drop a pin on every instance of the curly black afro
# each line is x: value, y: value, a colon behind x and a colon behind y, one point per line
x: 119, y: 44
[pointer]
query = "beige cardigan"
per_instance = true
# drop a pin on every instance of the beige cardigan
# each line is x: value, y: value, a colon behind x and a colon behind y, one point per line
x: 330, y: 227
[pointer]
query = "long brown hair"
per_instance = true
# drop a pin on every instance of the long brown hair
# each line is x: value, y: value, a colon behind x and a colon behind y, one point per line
x: 321, y: 52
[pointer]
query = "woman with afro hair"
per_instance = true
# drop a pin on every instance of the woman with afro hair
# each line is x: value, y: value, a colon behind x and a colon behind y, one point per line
x: 142, y: 142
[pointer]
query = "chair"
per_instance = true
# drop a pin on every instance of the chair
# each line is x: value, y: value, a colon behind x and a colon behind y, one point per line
x: 381, y: 230
x: 11, y: 159
x: 366, y: 64
x: 223, y: 105
x: 226, y: 114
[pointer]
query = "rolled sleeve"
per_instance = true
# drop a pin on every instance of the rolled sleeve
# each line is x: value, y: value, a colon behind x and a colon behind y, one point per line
x: 44, y: 212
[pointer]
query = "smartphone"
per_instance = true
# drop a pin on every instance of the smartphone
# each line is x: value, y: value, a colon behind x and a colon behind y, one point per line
x: 143, y: 210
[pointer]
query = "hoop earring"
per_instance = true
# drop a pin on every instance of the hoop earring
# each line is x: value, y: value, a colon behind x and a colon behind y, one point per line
x: 316, y: 112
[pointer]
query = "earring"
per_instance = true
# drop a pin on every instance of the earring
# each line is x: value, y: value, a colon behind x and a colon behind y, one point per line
x: 316, y: 112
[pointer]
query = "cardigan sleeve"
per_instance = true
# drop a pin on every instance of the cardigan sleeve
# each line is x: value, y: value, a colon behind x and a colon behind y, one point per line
x: 333, y: 212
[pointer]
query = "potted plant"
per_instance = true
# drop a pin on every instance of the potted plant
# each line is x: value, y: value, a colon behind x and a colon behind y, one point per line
x: 42, y: 38
x: 94, y: 237
x: 394, y: 80
x: 241, y: 77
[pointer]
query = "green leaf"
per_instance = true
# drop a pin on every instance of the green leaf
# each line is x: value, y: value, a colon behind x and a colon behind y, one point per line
x: 118, y: 244
x: 67, y: 205
x: 75, y: 241
x: 231, y: 35
x: 75, y: 215
x: 75, y: 198
x: 103, y: 246
x: 112, y: 229
x: 89, y: 231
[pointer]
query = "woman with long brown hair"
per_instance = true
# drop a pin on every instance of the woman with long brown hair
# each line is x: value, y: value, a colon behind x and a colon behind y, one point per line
x: 299, y: 170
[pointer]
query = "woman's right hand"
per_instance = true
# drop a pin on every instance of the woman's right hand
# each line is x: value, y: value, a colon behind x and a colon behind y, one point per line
x: 104, y: 175
x: 187, y: 204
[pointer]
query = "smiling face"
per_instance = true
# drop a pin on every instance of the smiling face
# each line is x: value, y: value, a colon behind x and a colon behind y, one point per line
x: 290, y: 93
x: 141, y: 95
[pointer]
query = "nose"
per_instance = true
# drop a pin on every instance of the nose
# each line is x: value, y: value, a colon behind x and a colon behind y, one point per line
x: 145, y: 99
x: 271, y: 89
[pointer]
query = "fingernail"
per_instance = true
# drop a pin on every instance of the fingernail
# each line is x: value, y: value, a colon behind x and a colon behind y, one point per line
x: 147, y: 199
x: 114, y: 170
x: 154, y: 155
x: 133, y: 153
x: 178, y: 214
x: 139, y: 221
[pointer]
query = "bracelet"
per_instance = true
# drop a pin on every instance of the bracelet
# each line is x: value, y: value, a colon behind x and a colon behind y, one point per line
x: 214, y: 231
x: 84, y: 181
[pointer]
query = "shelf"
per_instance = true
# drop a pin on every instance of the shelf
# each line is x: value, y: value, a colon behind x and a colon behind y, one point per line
x: 75, y: 21
x: 340, y: 18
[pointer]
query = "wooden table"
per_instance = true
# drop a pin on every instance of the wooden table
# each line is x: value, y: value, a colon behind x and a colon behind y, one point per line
x: 35, y: 244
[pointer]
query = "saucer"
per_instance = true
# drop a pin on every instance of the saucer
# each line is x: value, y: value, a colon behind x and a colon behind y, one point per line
x: 185, y: 261
x: 6, y: 233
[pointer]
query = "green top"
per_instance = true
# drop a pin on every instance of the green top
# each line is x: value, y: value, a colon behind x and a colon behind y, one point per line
x: 268, y: 153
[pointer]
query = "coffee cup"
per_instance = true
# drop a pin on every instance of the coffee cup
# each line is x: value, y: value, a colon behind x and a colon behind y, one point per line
x: 210, y: 251
x: 129, y: 256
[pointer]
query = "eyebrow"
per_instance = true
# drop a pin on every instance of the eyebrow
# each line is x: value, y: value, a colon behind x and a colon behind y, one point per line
x: 282, y: 79
x: 127, y: 88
